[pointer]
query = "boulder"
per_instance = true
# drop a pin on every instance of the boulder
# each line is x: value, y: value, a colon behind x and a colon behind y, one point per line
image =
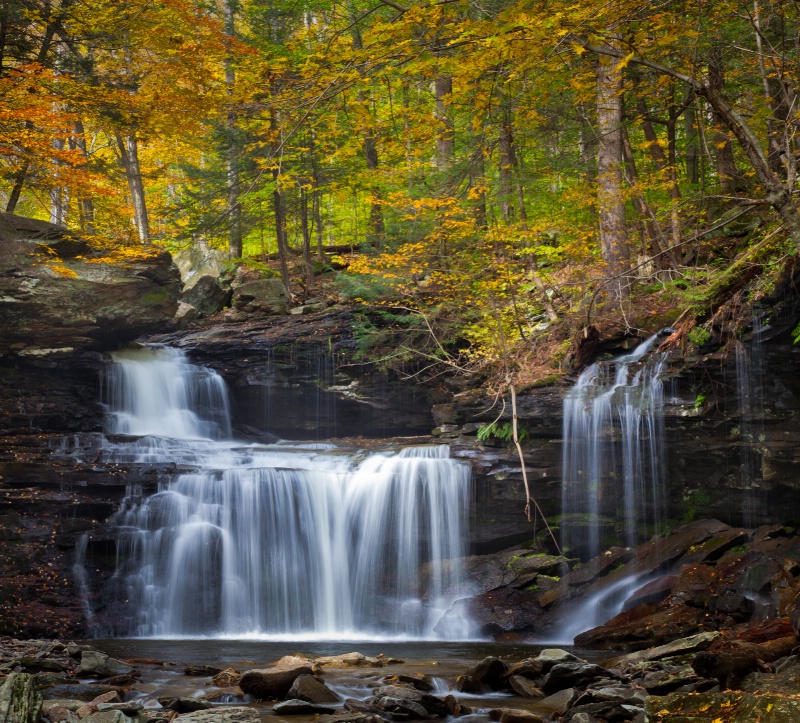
x: 112, y: 696
x: 273, y: 682
x: 19, y: 700
x: 514, y: 715
x: 299, y: 707
x: 84, y: 693
x: 575, y: 675
x: 682, y: 646
x: 199, y: 260
x: 226, y: 714
x: 207, y: 296
x: 93, y: 662
x: 525, y: 687
x: 348, y: 660
x: 312, y: 690
x: 59, y: 293
x: 206, y: 671
x: 264, y: 297
x: 435, y: 706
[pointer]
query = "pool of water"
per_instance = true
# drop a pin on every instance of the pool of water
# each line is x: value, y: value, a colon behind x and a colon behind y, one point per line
x: 443, y: 661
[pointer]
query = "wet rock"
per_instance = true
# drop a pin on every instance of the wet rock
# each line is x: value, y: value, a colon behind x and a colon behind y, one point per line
x: 201, y: 670
x: 489, y: 673
x: 420, y: 681
x: 682, y: 646
x: 529, y: 668
x: 560, y: 702
x: 525, y: 687
x: 732, y: 707
x: 128, y: 707
x: 503, y: 610
x: 360, y: 706
x: 111, y: 696
x: 575, y: 675
x: 402, y: 707
x: 435, y: 706
x: 71, y: 705
x: 185, y: 705
x: 455, y: 707
x: 670, y: 678
x: 273, y: 682
x: 93, y: 662
x: 299, y: 707
x: 348, y: 660
x: 514, y: 715
x: 553, y: 656
x: 108, y: 716
x: 221, y: 715
x: 607, y: 712
x: 19, y: 700
x: 84, y: 693
x: 309, y: 688
x: 653, y: 592
x: 227, y: 678
x: 61, y: 714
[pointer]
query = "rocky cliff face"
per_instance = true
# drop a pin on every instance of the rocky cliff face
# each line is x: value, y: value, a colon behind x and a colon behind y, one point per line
x: 732, y: 419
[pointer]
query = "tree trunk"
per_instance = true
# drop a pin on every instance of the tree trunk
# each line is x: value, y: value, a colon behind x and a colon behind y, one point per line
x: 307, y: 263
x: 613, y: 232
x: 234, y: 207
x: 129, y: 154
x: 445, y: 144
x: 692, y: 146
x: 727, y: 172
x: 85, y: 203
x: 506, y: 161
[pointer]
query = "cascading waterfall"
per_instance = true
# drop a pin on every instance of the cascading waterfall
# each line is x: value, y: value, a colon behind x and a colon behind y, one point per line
x: 613, y: 451
x: 272, y: 540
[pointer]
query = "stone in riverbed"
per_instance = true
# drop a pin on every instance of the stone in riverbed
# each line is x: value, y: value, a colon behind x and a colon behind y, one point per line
x: 348, y: 660
x: 227, y: 678
x: 299, y: 707
x: 221, y: 715
x: 185, y: 705
x: 575, y: 675
x: 19, y: 700
x: 435, y: 706
x: 312, y: 690
x: 514, y: 715
x: 93, y: 662
x: 525, y: 687
x: 83, y: 693
x: 275, y: 682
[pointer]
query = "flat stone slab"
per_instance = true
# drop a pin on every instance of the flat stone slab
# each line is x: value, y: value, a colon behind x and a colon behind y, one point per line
x: 692, y: 644
x: 728, y: 707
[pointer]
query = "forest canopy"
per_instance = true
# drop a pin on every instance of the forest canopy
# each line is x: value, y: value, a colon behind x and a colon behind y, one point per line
x: 491, y: 168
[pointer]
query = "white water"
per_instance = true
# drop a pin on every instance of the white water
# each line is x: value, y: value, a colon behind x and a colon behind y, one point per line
x: 272, y: 541
x: 613, y: 450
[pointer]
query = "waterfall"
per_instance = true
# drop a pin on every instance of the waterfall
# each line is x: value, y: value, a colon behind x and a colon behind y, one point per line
x: 750, y: 396
x: 613, y: 453
x: 281, y: 540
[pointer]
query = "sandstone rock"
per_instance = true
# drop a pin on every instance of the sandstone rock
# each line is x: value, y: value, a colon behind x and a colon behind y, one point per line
x: 609, y: 712
x: 227, y: 678
x: 738, y: 707
x: 682, y: 646
x: 19, y: 700
x: 528, y: 668
x: 224, y: 714
x: 83, y: 693
x: 108, y: 716
x: 185, y: 704
x: 111, y: 696
x: 553, y: 656
x: 273, y: 682
x: 207, y: 296
x: 420, y: 681
x: 185, y: 315
x: 299, y: 707
x: 455, y: 707
x: 312, y: 690
x: 669, y: 679
x: 525, y: 687
x: 489, y: 673
x: 435, y: 706
x: 74, y: 303
x: 199, y: 260
x: 348, y: 660
x: 575, y: 675
x: 402, y: 707
x: 93, y: 662
x: 560, y: 702
x: 61, y: 714
x: 263, y: 297
x: 514, y: 715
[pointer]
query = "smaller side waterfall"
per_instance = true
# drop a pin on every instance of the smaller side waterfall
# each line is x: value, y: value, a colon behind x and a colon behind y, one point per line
x: 613, y: 450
